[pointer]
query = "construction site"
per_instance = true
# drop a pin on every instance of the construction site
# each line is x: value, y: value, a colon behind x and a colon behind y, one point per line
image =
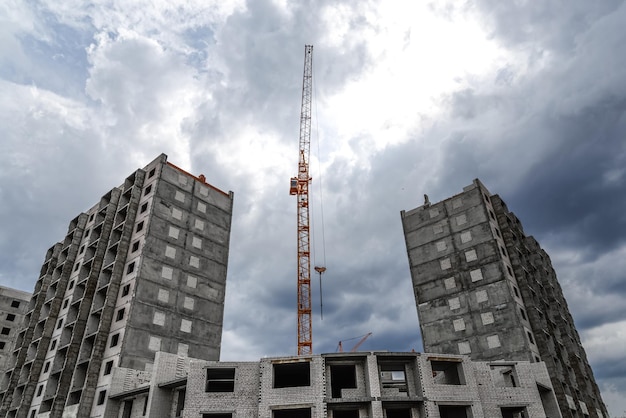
x: 126, y: 316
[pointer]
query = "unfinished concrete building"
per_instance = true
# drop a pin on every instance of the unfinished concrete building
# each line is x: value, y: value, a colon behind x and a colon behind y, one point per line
x: 142, y: 271
x: 13, y: 304
x: 485, y: 289
x: 337, y: 385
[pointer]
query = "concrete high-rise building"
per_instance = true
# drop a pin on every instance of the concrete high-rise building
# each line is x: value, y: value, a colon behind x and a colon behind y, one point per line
x: 13, y: 304
x: 485, y: 289
x: 142, y: 271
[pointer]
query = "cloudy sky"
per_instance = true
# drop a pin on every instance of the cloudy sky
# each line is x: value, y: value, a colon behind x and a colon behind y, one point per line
x: 416, y: 98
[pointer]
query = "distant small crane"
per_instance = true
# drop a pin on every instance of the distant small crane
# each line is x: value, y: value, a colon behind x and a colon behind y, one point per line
x: 356, y: 346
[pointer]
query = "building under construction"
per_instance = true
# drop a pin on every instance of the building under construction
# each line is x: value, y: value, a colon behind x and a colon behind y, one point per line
x: 337, y: 385
x: 485, y: 289
x: 142, y: 271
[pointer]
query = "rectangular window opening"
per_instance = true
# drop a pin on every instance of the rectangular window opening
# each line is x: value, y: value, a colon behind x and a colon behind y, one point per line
x: 292, y: 413
x: 101, y: 397
x: 398, y: 412
x: 10, y: 317
x: 447, y: 372
x: 15, y: 304
x: 453, y: 411
x: 125, y: 290
x: 108, y: 367
x: 288, y: 375
x: 115, y: 340
x: 393, y: 376
x: 342, y: 376
x: 346, y: 413
x: 516, y: 412
x: 220, y: 380
x: 120, y: 314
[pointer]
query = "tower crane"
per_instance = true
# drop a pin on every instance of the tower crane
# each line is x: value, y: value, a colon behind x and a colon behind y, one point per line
x: 299, y: 186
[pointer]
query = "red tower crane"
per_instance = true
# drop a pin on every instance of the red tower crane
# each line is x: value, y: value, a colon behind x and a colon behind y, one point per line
x: 300, y: 188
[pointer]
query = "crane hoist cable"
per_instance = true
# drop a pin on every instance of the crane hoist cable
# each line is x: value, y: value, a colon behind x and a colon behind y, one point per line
x: 320, y: 269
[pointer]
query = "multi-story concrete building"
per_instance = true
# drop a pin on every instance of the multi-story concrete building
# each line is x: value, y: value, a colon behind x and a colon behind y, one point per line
x: 13, y: 304
x: 142, y: 271
x: 337, y: 385
x: 485, y: 289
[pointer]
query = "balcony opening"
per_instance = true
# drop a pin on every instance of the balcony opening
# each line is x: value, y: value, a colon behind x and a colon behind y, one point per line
x: 289, y: 375
x: 342, y: 377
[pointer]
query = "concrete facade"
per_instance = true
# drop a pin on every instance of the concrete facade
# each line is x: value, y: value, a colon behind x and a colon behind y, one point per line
x: 13, y: 305
x: 338, y: 385
x: 485, y: 289
x: 142, y: 271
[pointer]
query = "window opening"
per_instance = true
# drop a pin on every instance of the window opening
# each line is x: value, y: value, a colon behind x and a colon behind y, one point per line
x: 115, y: 340
x: 518, y: 412
x: 10, y: 317
x: 120, y: 314
x: 287, y: 375
x: 102, y: 396
x: 5, y: 331
x: 398, y: 412
x: 220, y: 380
x: 46, y: 367
x: 148, y: 190
x: 15, y: 304
x: 180, y: 404
x: 135, y: 246
x: 449, y: 411
x: 446, y: 372
x: 144, y: 208
x: 130, y: 268
x: 292, y: 413
x: 393, y: 376
x: 125, y: 290
x: 151, y: 173
x: 139, y: 226
x: 504, y: 375
x: 342, y: 376
x: 346, y: 413
x: 127, y: 409
x: 108, y: 367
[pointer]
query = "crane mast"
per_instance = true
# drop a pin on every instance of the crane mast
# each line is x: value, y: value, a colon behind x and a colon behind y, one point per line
x: 300, y: 188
